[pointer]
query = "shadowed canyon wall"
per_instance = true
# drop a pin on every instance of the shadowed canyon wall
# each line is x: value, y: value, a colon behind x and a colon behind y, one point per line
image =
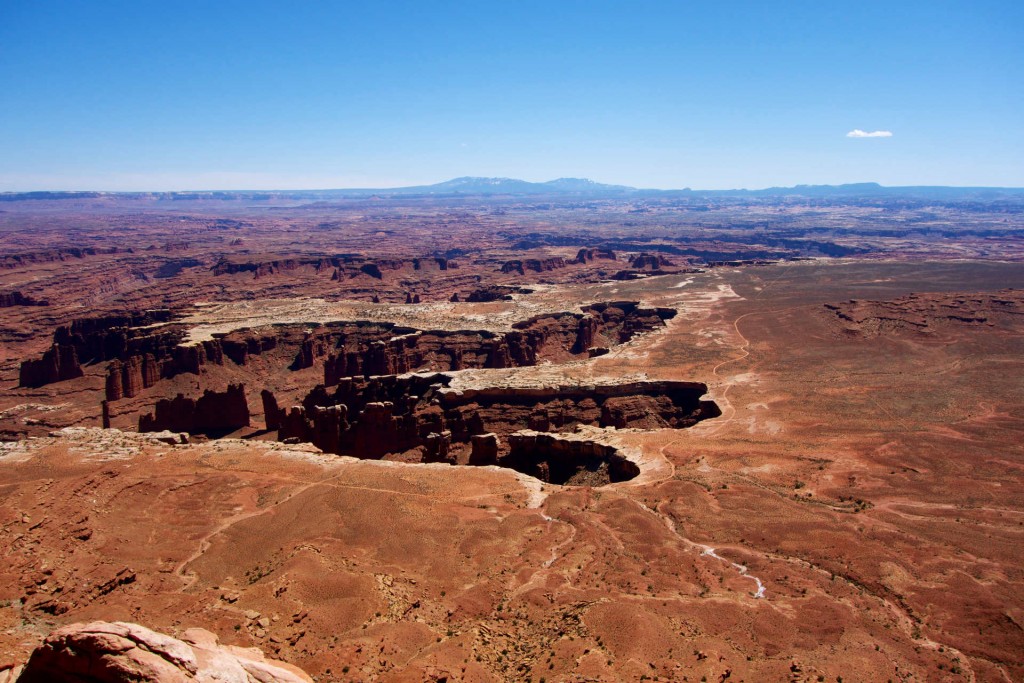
x: 417, y: 415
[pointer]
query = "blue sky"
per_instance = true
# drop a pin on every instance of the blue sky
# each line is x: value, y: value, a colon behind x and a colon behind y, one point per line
x: 228, y: 95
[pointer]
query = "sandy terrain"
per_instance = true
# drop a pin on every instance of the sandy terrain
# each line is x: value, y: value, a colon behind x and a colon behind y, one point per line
x: 855, y: 512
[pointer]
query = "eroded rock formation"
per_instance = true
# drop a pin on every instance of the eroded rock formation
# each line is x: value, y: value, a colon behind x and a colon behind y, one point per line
x: 522, y: 266
x: 212, y: 413
x: 120, y: 652
x: 587, y: 255
x: 571, y: 462
x: 12, y: 299
x: 59, y: 363
x: 371, y: 418
x: 495, y: 293
x: 128, y: 378
x: 929, y: 313
x: 141, y: 370
x: 124, y: 338
x: 141, y: 349
x: 366, y: 351
x: 108, y: 337
x: 10, y: 261
x: 484, y: 449
x: 342, y: 267
x: 271, y: 411
x: 649, y: 262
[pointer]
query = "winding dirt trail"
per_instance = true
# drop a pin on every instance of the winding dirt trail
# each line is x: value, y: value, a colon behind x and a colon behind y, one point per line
x: 744, y: 349
x: 190, y: 578
x: 205, y: 542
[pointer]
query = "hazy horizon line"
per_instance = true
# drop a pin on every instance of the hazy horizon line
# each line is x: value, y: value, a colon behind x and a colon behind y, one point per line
x: 390, y: 187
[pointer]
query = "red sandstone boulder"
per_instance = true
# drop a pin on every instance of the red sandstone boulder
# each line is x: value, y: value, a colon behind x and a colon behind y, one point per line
x: 119, y: 652
x: 436, y: 447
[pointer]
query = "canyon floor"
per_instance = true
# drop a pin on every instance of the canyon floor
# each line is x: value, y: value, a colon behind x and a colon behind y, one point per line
x: 853, y: 510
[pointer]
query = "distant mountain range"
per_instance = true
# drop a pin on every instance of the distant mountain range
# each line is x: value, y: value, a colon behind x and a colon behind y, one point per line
x: 872, y: 190
x: 581, y: 187
x: 477, y: 185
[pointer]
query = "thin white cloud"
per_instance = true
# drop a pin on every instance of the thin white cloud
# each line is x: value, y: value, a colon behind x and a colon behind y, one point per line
x: 858, y: 133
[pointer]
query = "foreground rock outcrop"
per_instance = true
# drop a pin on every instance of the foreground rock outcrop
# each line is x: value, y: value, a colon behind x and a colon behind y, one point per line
x: 116, y: 652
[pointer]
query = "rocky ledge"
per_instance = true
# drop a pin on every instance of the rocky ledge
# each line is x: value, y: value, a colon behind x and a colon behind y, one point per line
x: 120, y: 652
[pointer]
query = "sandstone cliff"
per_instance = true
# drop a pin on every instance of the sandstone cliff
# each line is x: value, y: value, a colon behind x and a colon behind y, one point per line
x: 212, y: 413
x: 588, y: 255
x: 59, y: 363
x: 365, y: 351
x: 522, y: 266
x: 11, y: 299
x: 649, y: 262
x: 341, y: 267
x: 370, y: 418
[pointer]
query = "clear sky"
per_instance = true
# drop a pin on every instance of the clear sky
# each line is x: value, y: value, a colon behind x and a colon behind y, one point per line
x: 144, y: 95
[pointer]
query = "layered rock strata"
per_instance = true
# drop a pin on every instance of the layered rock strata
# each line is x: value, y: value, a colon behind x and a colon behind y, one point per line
x: 650, y: 262
x: 100, y: 339
x: 929, y: 313
x: 587, y: 255
x: 143, y: 348
x: 419, y: 415
x: 495, y: 293
x: 522, y: 266
x: 554, y: 337
x: 12, y: 299
x: 31, y: 258
x: 342, y: 267
x: 58, y: 363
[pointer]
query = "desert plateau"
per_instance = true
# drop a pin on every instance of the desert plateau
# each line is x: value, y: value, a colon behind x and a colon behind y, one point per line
x: 563, y: 438
x: 511, y: 342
